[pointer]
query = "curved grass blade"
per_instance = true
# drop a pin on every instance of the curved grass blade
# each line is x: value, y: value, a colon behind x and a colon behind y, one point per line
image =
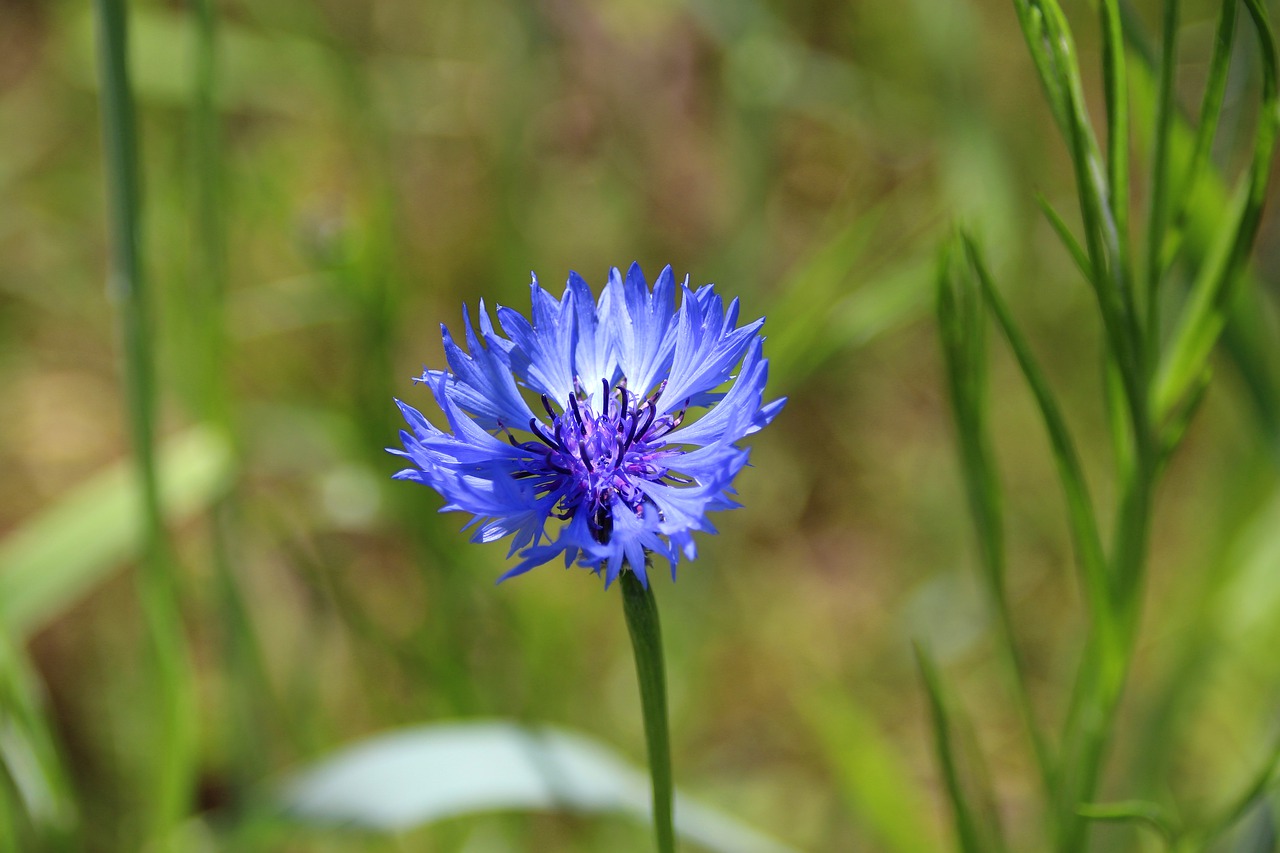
x: 1206, y: 310
x: 962, y: 324
x: 410, y: 778
x: 1080, y: 513
x: 53, y: 559
x: 1157, y: 216
x: 1151, y: 815
x: 871, y: 775
x: 977, y: 830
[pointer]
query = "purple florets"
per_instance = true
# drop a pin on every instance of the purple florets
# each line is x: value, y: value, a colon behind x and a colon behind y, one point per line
x: 613, y: 457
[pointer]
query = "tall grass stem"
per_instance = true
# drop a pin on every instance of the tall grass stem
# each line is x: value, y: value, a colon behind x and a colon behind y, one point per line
x: 641, y: 609
x: 173, y: 743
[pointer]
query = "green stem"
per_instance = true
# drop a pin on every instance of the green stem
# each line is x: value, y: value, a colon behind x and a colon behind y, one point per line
x: 1157, y: 221
x: 174, y: 735
x: 1109, y: 656
x: 646, y: 640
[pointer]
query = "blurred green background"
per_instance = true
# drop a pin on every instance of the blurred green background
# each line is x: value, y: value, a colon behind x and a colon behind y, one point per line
x: 336, y: 179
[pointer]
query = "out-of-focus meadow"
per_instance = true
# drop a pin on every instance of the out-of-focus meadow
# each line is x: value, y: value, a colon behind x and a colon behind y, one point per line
x: 334, y: 180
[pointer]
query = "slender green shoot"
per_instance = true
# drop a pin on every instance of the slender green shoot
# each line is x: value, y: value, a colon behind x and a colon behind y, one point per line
x: 1210, y: 113
x: 1157, y: 216
x: 641, y: 609
x: 1081, y: 516
x: 1212, y: 292
x: 1069, y: 241
x: 174, y: 741
x: 973, y: 834
x: 961, y: 321
x: 1153, y: 816
x: 1116, y: 91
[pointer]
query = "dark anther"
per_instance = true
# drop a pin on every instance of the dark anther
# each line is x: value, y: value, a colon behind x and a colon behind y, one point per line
x: 547, y: 440
x: 582, y: 451
x: 604, y: 404
x: 631, y: 434
x: 653, y: 413
x: 674, y: 421
x: 511, y: 438
x: 657, y: 392
x: 546, y: 404
x: 577, y: 414
x: 602, y: 524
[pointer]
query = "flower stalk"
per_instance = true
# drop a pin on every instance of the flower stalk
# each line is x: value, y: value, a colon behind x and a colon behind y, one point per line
x: 174, y: 741
x: 641, y: 609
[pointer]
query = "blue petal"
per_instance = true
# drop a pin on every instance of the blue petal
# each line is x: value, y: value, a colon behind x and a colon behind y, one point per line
x: 483, y: 384
x: 739, y: 414
x: 543, y: 351
x: 591, y: 345
x: 707, y: 347
x: 641, y: 325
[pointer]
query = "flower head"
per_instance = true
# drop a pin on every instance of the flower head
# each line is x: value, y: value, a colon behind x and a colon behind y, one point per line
x: 606, y: 415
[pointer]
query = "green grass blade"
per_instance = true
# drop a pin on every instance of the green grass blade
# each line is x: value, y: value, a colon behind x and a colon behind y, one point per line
x: 872, y: 775
x: 1115, y: 80
x: 37, y: 784
x: 1206, y: 129
x: 1157, y: 216
x: 53, y: 559
x: 1206, y: 311
x: 962, y: 325
x: 174, y: 742
x: 1151, y: 815
x: 1069, y: 241
x: 973, y: 833
x: 1053, y: 50
x: 399, y: 780
x: 1082, y: 520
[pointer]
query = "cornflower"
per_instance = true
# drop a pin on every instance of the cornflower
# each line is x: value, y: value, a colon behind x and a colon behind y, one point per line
x: 632, y: 435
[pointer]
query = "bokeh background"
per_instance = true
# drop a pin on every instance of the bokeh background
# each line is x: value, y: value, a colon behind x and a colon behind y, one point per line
x: 339, y: 178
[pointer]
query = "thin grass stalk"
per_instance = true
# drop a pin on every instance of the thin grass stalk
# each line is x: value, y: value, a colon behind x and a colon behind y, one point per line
x: 1210, y: 113
x: 1082, y: 522
x: 1157, y: 217
x: 245, y: 673
x: 1116, y: 91
x: 641, y: 610
x: 1052, y: 50
x: 961, y: 322
x: 1107, y: 664
x: 972, y: 836
x: 173, y: 741
x: 1205, y: 314
x: 1069, y: 241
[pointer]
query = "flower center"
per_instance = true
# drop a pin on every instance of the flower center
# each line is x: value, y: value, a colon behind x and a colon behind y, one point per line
x: 593, y: 460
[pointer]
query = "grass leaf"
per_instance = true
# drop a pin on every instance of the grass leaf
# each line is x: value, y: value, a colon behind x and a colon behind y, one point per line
x: 409, y: 778
x: 52, y: 560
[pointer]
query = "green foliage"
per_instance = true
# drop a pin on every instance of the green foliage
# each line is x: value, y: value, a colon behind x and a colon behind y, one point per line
x: 1151, y: 392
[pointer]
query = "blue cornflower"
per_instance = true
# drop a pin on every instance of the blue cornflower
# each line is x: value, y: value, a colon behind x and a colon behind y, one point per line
x: 611, y: 454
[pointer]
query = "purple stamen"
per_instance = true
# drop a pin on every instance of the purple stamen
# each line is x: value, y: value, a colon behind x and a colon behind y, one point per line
x: 547, y: 440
